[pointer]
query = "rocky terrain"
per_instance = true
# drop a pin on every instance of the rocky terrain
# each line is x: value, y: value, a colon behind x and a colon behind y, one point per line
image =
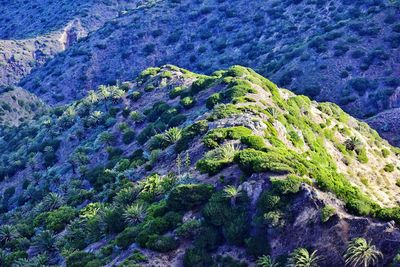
x: 18, y: 105
x: 32, y: 32
x: 345, y: 52
x: 175, y: 168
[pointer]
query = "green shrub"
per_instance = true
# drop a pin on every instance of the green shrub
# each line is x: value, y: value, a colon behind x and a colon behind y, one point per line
x: 251, y: 161
x: 217, y: 136
x: 189, y: 133
x: 268, y: 201
x: 238, y: 88
x: 188, y: 196
x: 228, y: 261
x: 208, y: 238
x: 385, y: 152
x: 388, y: 214
x: 79, y: 258
x: 389, y: 167
x: 177, y: 91
x: 362, y: 155
x: 188, y: 229
x: 197, y: 257
x: 188, y: 102
x: 253, y: 141
x: 257, y: 244
x: 201, y: 84
x: 223, y: 111
x: 274, y: 218
x: 211, y: 166
x: 236, y: 230
x: 126, y: 237
x: 213, y: 100
x: 56, y: 220
x: 290, y: 185
x: 162, y: 243
x: 361, y: 85
x: 128, y: 136
x: 327, y: 212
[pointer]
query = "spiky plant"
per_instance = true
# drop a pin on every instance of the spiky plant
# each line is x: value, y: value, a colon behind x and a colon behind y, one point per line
x: 172, y: 135
x: 232, y: 193
x: 300, y: 257
x: 45, y: 241
x: 360, y: 252
x: 135, y: 214
x: 126, y: 196
x: 266, y: 261
x: 224, y: 152
x: 8, y: 233
x: 52, y: 201
x: 353, y: 143
x: 3, y: 257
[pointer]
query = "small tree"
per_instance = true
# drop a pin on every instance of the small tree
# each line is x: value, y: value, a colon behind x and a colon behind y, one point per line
x: 52, y: 201
x: 172, y: 135
x: 232, y: 193
x: 7, y: 233
x: 135, y: 214
x: 359, y: 252
x: 45, y: 241
x: 353, y: 143
x: 300, y: 257
x: 266, y: 261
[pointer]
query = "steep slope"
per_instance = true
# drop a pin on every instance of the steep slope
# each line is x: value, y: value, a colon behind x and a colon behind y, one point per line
x: 340, y: 51
x: 18, y: 105
x: 32, y: 32
x: 176, y: 167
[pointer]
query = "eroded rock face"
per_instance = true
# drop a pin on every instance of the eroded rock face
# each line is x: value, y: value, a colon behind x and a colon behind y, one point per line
x: 330, y: 238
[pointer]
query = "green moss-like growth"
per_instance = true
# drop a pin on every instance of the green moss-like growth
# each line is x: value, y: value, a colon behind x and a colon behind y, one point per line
x: 213, y: 100
x: 290, y: 185
x: 217, y: 136
x: 188, y: 102
x: 389, y: 167
x: 253, y: 141
x: 327, y: 212
x: 185, y: 197
x: 251, y: 161
x: 177, y: 91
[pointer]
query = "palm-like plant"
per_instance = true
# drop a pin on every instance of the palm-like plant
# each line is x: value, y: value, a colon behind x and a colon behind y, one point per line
x: 353, y: 143
x: 172, y: 135
x: 8, y: 233
x: 52, y: 201
x: 232, y: 193
x: 266, y: 261
x: 126, y: 196
x: 45, y: 241
x: 135, y: 214
x: 3, y: 257
x: 300, y: 257
x: 225, y: 152
x: 359, y: 252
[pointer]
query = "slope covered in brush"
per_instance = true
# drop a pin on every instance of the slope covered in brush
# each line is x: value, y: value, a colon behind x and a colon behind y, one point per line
x: 209, y: 169
x: 17, y: 105
x: 340, y: 51
x: 32, y: 32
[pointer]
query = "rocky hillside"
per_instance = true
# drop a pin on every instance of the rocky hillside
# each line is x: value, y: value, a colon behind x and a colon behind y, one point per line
x: 18, y: 105
x: 31, y: 32
x: 180, y: 169
x: 345, y: 52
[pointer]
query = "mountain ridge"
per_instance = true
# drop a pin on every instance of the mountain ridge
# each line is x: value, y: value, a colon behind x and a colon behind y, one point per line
x: 171, y: 143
